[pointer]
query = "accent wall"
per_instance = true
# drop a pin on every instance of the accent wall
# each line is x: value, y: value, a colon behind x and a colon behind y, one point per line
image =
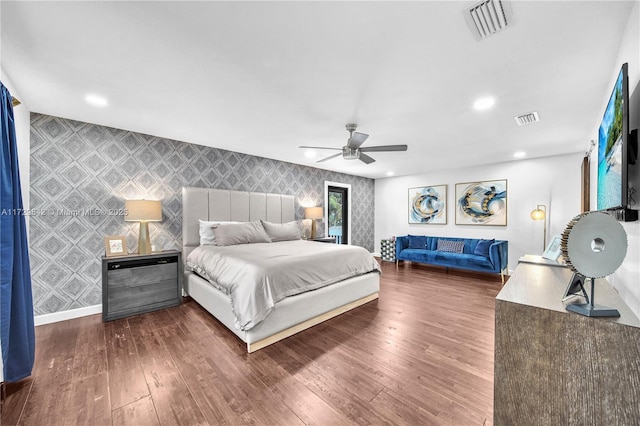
x: 81, y: 174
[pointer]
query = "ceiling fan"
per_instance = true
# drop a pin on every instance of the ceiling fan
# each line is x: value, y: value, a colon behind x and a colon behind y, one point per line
x: 352, y: 150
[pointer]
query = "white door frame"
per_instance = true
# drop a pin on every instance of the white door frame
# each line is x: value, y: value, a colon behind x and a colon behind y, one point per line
x: 327, y: 184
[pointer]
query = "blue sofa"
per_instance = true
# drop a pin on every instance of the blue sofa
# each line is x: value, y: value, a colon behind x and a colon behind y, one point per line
x: 477, y: 255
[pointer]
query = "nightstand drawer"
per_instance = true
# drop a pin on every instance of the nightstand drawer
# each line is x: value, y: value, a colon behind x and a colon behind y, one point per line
x: 141, y: 275
x: 129, y: 297
x: 330, y: 240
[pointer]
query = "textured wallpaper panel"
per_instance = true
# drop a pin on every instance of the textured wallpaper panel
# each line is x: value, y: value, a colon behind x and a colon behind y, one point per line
x: 81, y: 174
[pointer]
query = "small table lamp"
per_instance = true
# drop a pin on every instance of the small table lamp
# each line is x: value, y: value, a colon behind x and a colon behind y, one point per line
x: 143, y: 211
x: 313, y: 213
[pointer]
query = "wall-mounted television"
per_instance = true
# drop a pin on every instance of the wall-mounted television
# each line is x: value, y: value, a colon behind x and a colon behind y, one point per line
x: 613, y: 147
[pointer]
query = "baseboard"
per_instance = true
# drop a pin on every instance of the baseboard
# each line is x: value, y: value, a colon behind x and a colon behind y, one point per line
x: 67, y: 315
x: 376, y: 254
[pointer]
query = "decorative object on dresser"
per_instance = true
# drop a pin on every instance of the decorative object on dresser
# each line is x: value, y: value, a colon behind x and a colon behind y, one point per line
x: 428, y: 204
x: 575, y: 288
x: 540, y: 213
x: 554, y: 249
x: 135, y: 284
x: 594, y: 244
x: 388, y: 249
x: 462, y: 253
x: 481, y: 203
x: 115, y: 246
x: 313, y: 213
x: 143, y: 211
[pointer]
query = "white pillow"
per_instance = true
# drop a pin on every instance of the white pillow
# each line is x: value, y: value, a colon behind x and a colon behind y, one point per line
x: 240, y: 233
x: 207, y: 238
x: 282, y: 231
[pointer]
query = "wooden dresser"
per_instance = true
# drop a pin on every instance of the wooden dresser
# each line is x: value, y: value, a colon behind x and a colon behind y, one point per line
x: 554, y: 367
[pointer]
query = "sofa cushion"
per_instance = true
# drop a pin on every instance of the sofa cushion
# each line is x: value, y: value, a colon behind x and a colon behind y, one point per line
x: 451, y: 246
x: 417, y: 242
x: 466, y: 261
x: 471, y: 261
x: 482, y: 248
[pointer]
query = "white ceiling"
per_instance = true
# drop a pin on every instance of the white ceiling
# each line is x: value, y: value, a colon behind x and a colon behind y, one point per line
x: 265, y: 77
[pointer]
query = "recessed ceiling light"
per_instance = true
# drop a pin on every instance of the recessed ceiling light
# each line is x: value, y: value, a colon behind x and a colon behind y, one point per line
x: 484, y: 103
x: 96, y: 100
x: 390, y: 173
x: 519, y: 154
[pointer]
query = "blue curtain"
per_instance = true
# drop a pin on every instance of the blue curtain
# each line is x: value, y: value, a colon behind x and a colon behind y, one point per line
x: 17, y: 333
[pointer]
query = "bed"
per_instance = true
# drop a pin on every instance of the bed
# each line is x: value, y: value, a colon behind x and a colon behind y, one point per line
x: 289, y: 315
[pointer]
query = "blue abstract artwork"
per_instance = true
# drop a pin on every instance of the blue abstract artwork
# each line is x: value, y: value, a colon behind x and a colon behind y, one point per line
x: 481, y: 203
x: 428, y: 205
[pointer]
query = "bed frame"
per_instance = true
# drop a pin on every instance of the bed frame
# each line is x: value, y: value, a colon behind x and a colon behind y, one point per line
x: 289, y: 316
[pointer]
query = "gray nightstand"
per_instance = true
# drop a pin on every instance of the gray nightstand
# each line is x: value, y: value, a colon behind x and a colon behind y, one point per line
x: 139, y: 283
x: 331, y: 240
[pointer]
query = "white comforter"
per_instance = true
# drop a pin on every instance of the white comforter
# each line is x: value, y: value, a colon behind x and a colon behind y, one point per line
x: 257, y: 276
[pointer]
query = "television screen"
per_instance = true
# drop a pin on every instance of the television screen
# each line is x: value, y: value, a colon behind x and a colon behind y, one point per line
x: 612, y: 135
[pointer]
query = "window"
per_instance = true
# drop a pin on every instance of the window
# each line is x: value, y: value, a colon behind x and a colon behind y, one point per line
x: 338, y: 215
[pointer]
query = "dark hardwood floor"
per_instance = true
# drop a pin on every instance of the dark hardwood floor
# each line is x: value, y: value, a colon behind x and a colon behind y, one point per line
x: 422, y: 354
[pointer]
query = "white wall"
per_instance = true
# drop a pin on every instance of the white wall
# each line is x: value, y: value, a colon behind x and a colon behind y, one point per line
x: 553, y: 181
x: 625, y: 279
x: 21, y: 115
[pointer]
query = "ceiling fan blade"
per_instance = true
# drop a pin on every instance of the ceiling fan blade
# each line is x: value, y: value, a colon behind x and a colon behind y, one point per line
x: 365, y: 158
x: 329, y: 158
x: 319, y: 147
x: 384, y: 148
x: 356, y: 140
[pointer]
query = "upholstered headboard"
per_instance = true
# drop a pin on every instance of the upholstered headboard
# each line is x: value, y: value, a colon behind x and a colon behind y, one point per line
x: 222, y: 204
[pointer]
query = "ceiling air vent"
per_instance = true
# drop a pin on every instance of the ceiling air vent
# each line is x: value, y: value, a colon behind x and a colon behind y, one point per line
x: 528, y: 118
x: 488, y: 17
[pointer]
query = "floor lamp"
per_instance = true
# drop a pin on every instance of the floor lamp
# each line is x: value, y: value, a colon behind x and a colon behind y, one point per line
x: 540, y: 213
x: 143, y: 211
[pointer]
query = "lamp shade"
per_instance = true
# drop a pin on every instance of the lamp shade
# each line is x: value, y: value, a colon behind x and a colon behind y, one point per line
x: 313, y: 213
x: 538, y: 213
x: 142, y: 211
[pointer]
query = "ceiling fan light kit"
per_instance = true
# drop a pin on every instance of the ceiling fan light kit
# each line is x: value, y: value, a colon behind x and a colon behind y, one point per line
x: 352, y: 150
x: 350, y: 153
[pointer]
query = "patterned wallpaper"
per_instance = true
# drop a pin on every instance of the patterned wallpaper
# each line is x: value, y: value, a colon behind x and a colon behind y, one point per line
x: 81, y: 174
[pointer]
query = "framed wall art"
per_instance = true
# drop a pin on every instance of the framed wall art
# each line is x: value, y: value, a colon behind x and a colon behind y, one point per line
x: 115, y: 246
x: 553, y: 250
x: 428, y: 204
x: 481, y: 203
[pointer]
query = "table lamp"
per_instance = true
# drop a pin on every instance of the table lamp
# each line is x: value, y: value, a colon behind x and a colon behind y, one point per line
x: 143, y: 211
x: 313, y: 213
